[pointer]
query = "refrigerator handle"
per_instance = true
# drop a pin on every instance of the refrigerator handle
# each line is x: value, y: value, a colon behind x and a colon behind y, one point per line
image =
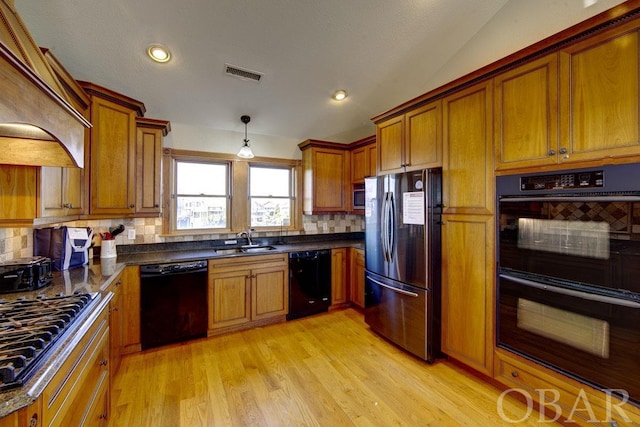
x: 392, y: 226
x: 385, y: 227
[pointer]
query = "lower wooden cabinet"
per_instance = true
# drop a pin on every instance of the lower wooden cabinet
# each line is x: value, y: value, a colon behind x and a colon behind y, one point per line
x: 468, y: 296
x: 78, y: 394
x: 28, y: 416
x: 115, y: 323
x: 247, y: 291
x: 130, y: 310
x: 559, y: 397
x: 356, y: 282
x: 339, y: 277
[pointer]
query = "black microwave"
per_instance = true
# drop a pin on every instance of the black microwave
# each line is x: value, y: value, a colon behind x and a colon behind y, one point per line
x: 358, y: 197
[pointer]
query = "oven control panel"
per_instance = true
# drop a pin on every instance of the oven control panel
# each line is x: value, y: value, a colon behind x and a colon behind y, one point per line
x: 563, y: 181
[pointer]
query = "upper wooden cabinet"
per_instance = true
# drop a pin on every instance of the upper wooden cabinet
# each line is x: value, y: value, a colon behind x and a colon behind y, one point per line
x: 599, y: 83
x: 526, y: 115
x: 364, y: 159
x: 578, y: 105
x: 17, y: 195
x: 112, y: 151
x: 149, y: 136
x: 326, y: 174
x: 411, y: 141
x: 467, y: 171
x: 61, y: 192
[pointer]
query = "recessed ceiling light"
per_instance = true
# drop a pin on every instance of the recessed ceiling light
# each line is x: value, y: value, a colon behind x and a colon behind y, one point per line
x: 339, y: 95
x: 158, y: 53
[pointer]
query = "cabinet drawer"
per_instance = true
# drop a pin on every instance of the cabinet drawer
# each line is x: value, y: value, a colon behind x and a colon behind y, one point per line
x: 576, y: 402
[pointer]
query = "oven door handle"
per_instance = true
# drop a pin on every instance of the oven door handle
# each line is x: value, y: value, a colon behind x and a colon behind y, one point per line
x: 400, y: 291
x: 572, y: 292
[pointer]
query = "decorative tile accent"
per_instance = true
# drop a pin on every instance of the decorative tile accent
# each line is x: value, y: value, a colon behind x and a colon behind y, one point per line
x: 18, y: 242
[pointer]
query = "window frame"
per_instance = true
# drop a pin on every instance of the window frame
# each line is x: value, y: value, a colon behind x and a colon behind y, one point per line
x: 239, y: 206
x: 292, y: 194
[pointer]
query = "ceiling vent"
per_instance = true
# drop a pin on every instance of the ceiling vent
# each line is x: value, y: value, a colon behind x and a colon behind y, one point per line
x: 243, y: 73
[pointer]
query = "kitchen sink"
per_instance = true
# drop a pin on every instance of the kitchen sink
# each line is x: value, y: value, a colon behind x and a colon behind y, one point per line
x: 251, y: 249
x: 244, y: 249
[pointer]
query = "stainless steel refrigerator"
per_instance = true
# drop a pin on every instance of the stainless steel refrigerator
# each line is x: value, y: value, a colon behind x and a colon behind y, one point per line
x: 402, y: 259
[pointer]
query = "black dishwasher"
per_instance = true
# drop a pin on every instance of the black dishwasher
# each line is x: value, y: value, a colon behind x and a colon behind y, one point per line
x: 173, y: 302
x: 309, y: 283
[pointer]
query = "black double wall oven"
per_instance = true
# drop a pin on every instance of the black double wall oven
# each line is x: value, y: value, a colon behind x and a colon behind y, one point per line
x: 569, y: 273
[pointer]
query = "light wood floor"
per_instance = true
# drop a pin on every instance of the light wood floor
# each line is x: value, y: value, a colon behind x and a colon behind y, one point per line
x: 324, y: 370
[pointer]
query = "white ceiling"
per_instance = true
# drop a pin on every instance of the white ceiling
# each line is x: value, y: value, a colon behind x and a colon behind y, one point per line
x: 383, y: 52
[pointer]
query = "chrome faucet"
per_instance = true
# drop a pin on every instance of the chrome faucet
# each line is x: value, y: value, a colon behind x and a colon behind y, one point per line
x: 246, y: 234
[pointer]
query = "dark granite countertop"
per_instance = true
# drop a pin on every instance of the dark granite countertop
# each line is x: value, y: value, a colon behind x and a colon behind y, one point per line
x: 96, y: 277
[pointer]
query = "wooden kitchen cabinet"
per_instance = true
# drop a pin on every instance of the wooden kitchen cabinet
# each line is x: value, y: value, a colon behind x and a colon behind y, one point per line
x: 339, y: 277
x: 364, y: 160
x: 526, y: 115
x: 599, y: 103
x: 468, y: 178
x: 28, y: 416
x: 468, y: 295
x: 78, y: 394
x: 356, y: 282
x: 115, y: 323
x: 17, y: 195
x: 61, y: 192
x: 247, y: 291
x: 112, y: 150
x: 578, y: 105
x: 326, y: 177
x: 130, y: 288
x: 150, y: 133
x: 412, y: 141
x: 568, y: 394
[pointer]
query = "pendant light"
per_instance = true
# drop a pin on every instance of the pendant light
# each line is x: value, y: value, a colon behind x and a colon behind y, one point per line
x: 245, y: 152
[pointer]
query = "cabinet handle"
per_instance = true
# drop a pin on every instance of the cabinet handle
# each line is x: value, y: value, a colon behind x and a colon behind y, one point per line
x: 33, y: 421
x: 514, y: 374
x: 552, y: 152
x: 156, y: 205
x: 68, y: 205
x: 119, y: 282
x: 102, y: 416
x: 131, y: 206
x: 563, y: 150
x: 103, y: 362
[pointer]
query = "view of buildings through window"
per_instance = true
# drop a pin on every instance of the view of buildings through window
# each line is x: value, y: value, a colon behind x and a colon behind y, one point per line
x: 202, y: 195
x: 270, y: 195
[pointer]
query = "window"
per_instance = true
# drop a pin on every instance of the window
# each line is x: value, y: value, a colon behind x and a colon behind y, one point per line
x: 216, y: 193
x: 270, y: 196
x: 201, y: 195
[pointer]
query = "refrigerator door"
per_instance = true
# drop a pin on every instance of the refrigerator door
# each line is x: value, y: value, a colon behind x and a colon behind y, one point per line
x: 374, y: 201
x: 406, y: 219
x: 402, y: 314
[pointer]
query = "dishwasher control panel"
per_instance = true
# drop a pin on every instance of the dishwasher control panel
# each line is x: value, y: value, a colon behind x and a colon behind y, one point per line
x: 172, y: 267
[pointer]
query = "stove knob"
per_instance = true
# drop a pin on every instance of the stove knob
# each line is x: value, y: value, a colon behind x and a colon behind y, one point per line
x: 41, y: 296
x: 2, y: 300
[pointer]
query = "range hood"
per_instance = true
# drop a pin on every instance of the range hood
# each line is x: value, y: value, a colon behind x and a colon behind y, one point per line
x: 38, y: 125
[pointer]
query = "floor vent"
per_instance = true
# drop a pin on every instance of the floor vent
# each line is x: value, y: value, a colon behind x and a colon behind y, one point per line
x: 243, y: 73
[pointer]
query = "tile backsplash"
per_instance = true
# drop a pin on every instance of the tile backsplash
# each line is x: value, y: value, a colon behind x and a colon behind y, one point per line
x: 18, y: 242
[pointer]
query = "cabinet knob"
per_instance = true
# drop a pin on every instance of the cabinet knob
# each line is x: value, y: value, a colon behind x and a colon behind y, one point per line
x: 514, y: 374
x: 131, y: 206
x: 156, y: 205
x: 68, y: 205
x: 563, y: 150
x: 552, y: 152
x: 33, y: 421
x: 103, y: 362
x: 102, y: 416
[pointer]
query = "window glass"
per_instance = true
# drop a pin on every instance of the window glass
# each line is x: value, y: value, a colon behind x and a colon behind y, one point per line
x: 270, y: 195
x: 202, y: 198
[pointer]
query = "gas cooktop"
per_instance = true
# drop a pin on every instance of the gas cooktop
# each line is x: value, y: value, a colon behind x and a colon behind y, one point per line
x: 28, y: 331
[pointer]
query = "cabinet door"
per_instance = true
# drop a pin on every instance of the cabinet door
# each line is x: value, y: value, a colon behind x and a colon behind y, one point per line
x: 390, y: 141
x: 115, y: 326
x: 329, y: 175
x: 372, y: 157
x: 526, y: 115
x: 131, y: 310
x: 359, y: 165
x: 112, y: 158
x: 229, y: 298
x: 339, y: 276
x: 423, y: 145
x: 269, y: 292
x: 599, y: 85
x: 17, y: 192
x: 357, y: 277
x: 60, y: 191
x: 467, y: 289
x: 468, y: 184
x: 148, y: 161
